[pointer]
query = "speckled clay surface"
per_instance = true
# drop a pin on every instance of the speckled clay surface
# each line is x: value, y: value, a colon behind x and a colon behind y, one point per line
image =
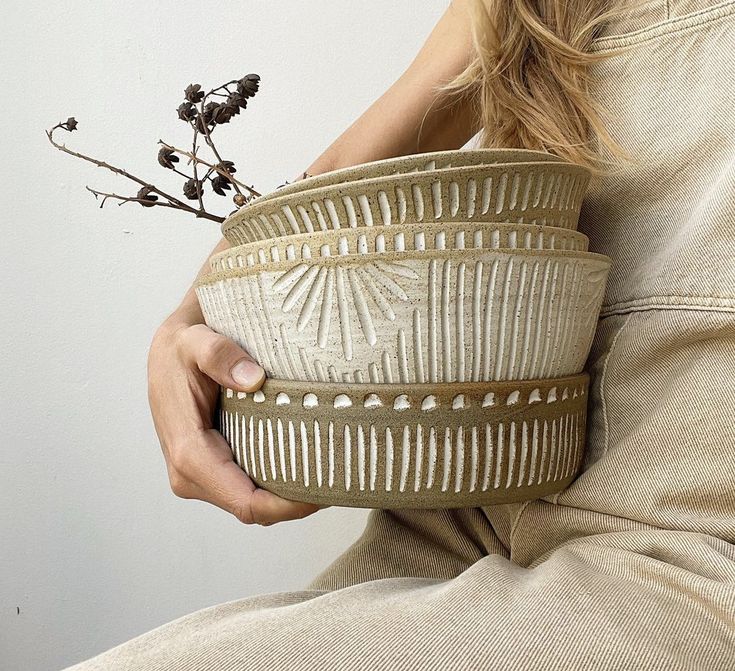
x: 414, y: 163
x: 398, y: 238
x: 544, y: 193
x: 418, y: 446
x: 413, y: 317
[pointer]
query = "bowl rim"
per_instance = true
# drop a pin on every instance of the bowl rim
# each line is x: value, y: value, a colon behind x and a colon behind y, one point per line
x: 284, y: 266
x: 297, y: 238
x: 276, y: 385
x: 422, y: 156
x: 427, y: 175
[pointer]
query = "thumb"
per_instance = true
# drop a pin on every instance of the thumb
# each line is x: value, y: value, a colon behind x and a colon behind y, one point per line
x: 222, y: 359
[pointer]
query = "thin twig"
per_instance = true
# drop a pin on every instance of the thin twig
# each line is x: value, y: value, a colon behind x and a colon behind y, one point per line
x: 150, y: 203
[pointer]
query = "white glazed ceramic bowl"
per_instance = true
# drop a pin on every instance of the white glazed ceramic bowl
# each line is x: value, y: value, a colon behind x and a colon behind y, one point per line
x: 434, y: 160
x: 399, y: 238
x: 413, y: 317
x: 544, y: 193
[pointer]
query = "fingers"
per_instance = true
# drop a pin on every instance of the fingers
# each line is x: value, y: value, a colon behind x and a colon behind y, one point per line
x: 220, y: 358
x: 206, y: 471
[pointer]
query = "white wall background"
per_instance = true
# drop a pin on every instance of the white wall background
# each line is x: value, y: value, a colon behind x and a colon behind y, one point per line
x: 94, y: 548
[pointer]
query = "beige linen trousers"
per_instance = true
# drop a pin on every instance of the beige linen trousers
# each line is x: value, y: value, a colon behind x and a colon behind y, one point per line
x: 633, y: 565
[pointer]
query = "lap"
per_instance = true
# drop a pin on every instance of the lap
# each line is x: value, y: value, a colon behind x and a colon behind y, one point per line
x: 629, y: 600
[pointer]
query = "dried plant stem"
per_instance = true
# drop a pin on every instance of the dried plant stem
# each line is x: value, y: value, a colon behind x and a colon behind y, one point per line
x: 119, y: 171
x: 152, y: 203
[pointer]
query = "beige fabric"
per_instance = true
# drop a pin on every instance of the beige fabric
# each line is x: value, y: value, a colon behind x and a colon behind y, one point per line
x: 633, y: 565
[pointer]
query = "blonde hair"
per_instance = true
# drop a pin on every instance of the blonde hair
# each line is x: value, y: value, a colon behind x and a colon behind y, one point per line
x: 529, y: 79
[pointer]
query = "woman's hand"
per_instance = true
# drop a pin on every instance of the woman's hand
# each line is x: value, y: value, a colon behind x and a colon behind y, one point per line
x: 186, y: 364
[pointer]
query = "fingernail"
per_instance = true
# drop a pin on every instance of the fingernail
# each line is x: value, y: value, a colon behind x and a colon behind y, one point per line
x: 247, y: 373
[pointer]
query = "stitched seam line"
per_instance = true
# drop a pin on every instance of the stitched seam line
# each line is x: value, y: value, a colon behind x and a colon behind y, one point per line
x: 663, y: 307
x: 689, y: 21
x: 603, y: 377
x: 515, y: 521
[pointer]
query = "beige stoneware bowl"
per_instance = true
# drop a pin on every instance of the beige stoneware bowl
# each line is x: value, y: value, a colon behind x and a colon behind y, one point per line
x: 398, y: 238
x: 416, y: 446
x: 546, y: 193
x: 429, y: 316
x: 434, y: 160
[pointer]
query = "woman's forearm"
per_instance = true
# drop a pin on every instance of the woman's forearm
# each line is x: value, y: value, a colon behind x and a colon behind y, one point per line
x: 408, y: 118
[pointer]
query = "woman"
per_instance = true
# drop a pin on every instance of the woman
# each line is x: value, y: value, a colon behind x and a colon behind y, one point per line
x: 633, y: 565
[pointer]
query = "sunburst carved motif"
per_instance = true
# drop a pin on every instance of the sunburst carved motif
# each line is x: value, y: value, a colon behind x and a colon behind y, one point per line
x: 367, y: 289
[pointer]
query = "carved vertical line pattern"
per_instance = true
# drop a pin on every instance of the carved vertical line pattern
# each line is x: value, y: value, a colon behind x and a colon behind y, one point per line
x: 405, y: 457
x: 474, y: 457
x: 476, y: 351
x: 503, y: 322
x: 511, y: 452
x: 361, y: 456
x: 244, y: 445
x: 388, y: 459
x: 361, y: 307
x: 373, y: 457
x: 471, y: 196
x: 500, y: 194
x: 281, y: 448
x: 318, y: 453
x: 500, y: 454
x: 524, y: 453
x: 437, y: 201
x: 402, y: 357
x: 418, y: 202
x: 454, y: 198
x: 570, y: 330
x: 384, y: 208
x: 251, y: 444
x: 347, y: 440
x: 488, y: 456
x: 529, y: 321
x: 304, y: 452
x: 517, y: 311
x: 554, y: 458
x: 549, y: 325
x: 270, y: 327
x: 400, y: 205
x: 431, y: 319
x: 487, y: 193
x: 292, y: 449
x: 271, y: 453
x: 431, y: 468
x: 553, y: 343
x: 419, y: 456
x: 543, y: 441
x: 261, y: 449
x: 539, y: 326
x: 459, y: 326
x: 330, y: 454
x: 446, y: 337
x: 489, y: 302
x: 459, y: 460
x: 447, y: 461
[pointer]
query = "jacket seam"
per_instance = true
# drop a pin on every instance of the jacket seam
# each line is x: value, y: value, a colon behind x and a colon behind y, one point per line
x: 664, y: 28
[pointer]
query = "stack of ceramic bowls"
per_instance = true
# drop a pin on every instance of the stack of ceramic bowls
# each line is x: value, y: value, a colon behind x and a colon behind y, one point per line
x: 424, y: 324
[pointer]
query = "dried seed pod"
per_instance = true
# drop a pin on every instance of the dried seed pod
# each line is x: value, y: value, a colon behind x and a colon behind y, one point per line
x: 221, y: 184
x: 186, y: 111
x: 227, y: 166
x: 192, y: 189
x: 238, y: 100
x: 193, y: 93
x: 248, y: 85
x: 147, y: 196
x: 239, y: 199
x: 222, y: 113
x: 71, y: 124
x: 167, y: 157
